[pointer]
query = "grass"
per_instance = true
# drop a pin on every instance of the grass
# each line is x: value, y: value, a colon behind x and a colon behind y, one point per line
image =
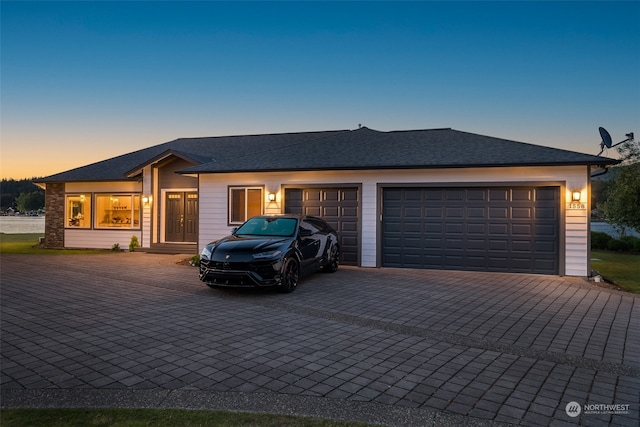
x: 620, y: 269
x: 156, y: 418
x: 27, y: 244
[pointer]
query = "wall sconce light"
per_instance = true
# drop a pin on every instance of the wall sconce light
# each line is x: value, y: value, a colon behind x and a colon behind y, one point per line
x: 575, y: 196
x: 272, y: 197
x: 145, y: 200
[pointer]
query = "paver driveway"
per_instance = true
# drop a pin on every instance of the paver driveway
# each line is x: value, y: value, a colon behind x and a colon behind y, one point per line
x: 397, y: 347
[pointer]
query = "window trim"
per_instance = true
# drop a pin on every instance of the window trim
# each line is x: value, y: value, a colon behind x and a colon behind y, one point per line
x: 230, y: 190
x: 133, y: 209
x: 89, y: 215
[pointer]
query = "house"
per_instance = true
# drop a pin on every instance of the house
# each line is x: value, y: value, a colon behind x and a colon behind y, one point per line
x: 438, y: 198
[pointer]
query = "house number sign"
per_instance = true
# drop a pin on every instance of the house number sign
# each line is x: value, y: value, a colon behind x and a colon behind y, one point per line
x: 574, y: 206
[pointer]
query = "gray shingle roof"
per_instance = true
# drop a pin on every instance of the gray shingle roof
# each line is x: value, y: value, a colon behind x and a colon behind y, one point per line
x: 369, y: 149
x: 196, y: 149
x: 337, y: 150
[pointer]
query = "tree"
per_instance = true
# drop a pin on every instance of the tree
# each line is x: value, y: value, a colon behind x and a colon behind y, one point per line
x: 11, y: 190
x: 621, y: 205
x: 30, y: 201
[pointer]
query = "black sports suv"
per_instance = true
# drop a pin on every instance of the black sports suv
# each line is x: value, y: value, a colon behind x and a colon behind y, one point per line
x: 270, y: 251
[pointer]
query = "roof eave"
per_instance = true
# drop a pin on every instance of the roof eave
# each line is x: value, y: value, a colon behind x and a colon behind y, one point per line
x: 606, y: 162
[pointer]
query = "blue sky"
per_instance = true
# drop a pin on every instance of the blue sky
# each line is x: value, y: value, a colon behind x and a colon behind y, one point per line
x: 86, y: 81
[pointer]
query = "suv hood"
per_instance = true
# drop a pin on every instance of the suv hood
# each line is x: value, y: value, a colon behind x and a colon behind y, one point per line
x: 235, y: 243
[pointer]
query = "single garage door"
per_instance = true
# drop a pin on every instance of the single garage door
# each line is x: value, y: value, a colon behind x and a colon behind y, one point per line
x: 337, y: 206
x: 509, y: 229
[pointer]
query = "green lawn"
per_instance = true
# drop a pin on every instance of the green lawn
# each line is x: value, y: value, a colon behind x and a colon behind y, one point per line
x: 28, y: 244
x: 156, y: 418
x: 618, y: 268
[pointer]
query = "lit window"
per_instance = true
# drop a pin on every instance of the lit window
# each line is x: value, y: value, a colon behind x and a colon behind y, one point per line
x: 244, y: 203
x: 117, y: 211
x: 78, y: 211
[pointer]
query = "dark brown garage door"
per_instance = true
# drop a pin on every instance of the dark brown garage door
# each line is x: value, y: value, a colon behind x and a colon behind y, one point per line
x: 510, y: 229
x: 339, y: 207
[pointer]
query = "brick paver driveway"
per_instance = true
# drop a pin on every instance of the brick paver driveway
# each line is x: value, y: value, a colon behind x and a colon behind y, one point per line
x: 397, y: 347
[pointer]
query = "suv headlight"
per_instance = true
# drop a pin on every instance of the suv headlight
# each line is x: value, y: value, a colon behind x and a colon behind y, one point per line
x: 267, y: 254
x: 206, y: 252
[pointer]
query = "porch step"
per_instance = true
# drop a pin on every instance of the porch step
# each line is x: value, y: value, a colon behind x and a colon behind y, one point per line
x: 171, y: 248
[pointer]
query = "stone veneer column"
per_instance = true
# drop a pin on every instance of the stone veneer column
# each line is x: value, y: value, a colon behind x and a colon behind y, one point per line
x: 54, y: 216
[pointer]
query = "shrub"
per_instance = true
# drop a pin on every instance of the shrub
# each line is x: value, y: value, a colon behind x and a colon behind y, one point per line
x: 195, y: 260
x: 115, y: 247
x: 617, y: 245
x: 133, y: 244
x: 632, y: 243
x: 600, y: 240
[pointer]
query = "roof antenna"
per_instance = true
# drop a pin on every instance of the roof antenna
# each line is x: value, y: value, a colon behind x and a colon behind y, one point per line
x: 606, y: 139
x: 359, y: 125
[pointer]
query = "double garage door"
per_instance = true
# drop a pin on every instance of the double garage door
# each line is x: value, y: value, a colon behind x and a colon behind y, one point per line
x: 509, y: 229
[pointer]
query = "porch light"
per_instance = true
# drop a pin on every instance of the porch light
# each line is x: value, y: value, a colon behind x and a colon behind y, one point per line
x: 272, y: 197
x: 145, y: 200
x: 575, y: 196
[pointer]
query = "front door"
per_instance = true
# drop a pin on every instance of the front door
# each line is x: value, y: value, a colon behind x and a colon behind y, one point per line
x: 181, y: 219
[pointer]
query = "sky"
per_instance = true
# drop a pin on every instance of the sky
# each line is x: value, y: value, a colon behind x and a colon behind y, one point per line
x: 85, y: 81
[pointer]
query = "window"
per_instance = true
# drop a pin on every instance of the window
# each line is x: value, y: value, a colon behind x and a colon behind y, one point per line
x: 78, y: 210
x: 117, y: 211
x: 244, y: 203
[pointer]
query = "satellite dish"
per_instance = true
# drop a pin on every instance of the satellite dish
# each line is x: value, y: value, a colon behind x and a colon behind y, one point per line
x: 606, y: 138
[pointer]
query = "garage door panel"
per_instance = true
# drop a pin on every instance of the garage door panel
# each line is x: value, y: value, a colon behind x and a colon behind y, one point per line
x: 490, y: 229
x: 312, y: 195
x: 498, y: 194
x: 495, y: 245
x: 476, y: 195
x: 521, y: 229
x: 413, y: 212
x: 476, y: 245
x: 313, y: 211
x: 522, y: 213
x: 546, y: 230
x: 521, y: 195
x: 521, y: 246
x: 453, y: 229
x: 349, y: 211
x: 456, y: 212
x: 476, y: 213
x: 476, y: 229
x: 498, y: 229
x: 498, y: 212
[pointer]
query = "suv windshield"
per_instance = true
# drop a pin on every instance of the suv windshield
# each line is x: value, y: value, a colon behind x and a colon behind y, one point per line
x: 282, y: 227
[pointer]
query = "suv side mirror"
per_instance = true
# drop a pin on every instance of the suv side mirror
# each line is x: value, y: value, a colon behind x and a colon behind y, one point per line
x: 303, y: 232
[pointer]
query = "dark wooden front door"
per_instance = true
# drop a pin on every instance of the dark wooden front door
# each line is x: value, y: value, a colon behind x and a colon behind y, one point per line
x: 181, y: 219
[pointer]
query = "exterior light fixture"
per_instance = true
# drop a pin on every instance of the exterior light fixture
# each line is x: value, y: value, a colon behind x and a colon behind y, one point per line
x: 575, y: 196
x: 272, y: 197
x: 145, y: 200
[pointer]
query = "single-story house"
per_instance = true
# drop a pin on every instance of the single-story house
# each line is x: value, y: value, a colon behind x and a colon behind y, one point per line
x: 438, y: 198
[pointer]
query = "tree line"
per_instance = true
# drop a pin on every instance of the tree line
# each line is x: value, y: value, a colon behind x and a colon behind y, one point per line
x: 21, y: 195
x: 617, y: 199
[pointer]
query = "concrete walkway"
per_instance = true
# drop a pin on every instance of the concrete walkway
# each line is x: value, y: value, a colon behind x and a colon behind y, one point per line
x: 386, y: 346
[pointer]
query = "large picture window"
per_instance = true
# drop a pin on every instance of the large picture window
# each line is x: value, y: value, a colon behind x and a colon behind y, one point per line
x: 244, y: 202
x: 78, y: 210
x: 117, y: 211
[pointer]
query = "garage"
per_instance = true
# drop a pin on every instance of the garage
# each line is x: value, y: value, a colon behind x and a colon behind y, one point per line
x: 500, y: 229
x: 337, y: 206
